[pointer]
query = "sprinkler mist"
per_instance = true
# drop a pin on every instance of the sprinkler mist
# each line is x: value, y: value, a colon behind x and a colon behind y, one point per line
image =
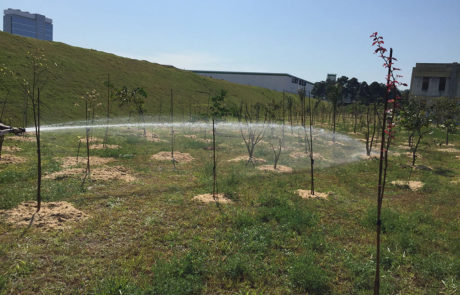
x: 332, y: 149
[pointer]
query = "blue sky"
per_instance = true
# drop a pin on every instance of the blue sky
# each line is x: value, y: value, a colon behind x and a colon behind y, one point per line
x: 304, y: 38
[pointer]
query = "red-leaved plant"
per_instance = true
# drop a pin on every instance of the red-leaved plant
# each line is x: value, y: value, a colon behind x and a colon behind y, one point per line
x: 390, y: 104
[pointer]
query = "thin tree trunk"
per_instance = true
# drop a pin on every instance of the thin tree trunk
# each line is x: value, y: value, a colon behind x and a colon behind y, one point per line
x: 106, y: 137
x: 172, y: 129
x: 2, y: 138
x: 383, y: 163
x: 214, y: 168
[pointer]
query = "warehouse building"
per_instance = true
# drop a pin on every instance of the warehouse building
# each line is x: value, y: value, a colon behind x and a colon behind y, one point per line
x: 275, y: 81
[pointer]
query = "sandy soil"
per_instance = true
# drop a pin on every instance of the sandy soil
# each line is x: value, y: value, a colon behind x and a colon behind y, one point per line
x: 68, y: 162
x: 153, y: 137
x: 246, y: 158
x: 417, y: 155
x: 99, y: 173
x: 303, y: 155
x: 458, y: 157
x: 11, y: 149
x: 22, y: 138
x: 52, y: 215
x: 306, y: 194
x: 112, y: 173
x: 448, y: 150
x: 413, y: 185
x: 100, y: 146
x: 364, y: 156
x: 403, y: 147
x: 11, y: 159
x: 92, y: 140
x: 194, y: 137
x: 70, y: 172
x: 207, y: 198
x: 279, y: 168
x: 178, y: 156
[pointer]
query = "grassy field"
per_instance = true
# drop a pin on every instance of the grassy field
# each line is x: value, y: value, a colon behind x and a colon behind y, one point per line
x: 74, y: 71
x: 149, y: 237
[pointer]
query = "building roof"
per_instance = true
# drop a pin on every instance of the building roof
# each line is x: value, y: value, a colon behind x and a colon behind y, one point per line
x: 25, y: 14
x: 249, y: 73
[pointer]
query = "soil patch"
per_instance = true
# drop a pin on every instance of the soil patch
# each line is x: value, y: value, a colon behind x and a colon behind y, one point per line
x: 22, y: 138
x: 178, y: 156
x: 68, y: 162
x: 99, y: 173
x: 194, y: 137
x: 100, y: 146
x: 279, y: 168
x: 11, y: 149
x: 303, y: 155
x: 112, y: 173
x: 448, y: 150
x: 52, y: 215
x: 246, y: 158
x: 364, y: 156
x: 207, y: 198
x: 412, y: 185
x: 153, y: 137
x: 306, y: 194
x: 11, y: 159
x: 92, y: 140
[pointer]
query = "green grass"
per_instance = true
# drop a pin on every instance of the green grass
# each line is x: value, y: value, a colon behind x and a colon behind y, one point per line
x: 149, y: 237
x: 79, y: 70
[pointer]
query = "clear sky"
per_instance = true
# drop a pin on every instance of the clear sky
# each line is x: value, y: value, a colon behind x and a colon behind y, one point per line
x: 305, y: 38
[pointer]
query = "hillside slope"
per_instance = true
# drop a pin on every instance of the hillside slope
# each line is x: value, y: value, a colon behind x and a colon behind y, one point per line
x: 76, y: 70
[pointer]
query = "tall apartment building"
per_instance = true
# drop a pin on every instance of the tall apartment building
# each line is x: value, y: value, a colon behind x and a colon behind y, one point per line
x: 26, y: 24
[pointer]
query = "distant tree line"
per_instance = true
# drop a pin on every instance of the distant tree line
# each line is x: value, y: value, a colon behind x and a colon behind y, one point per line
x: 351, y: 90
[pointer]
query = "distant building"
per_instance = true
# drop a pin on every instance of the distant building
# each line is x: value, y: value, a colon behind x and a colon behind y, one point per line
x: 274, y: 81
x: 25, y: 24
x: 435, y: 80
x: 331, y: 77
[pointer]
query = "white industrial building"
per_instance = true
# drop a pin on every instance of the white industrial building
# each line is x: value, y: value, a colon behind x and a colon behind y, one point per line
x: 274, y: 81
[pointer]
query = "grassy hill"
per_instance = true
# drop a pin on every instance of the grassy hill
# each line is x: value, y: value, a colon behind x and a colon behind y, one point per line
x: 77, y: 70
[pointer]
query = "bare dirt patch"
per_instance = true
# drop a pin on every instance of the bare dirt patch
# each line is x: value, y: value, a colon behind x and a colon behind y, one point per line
x: 448, y: 150
x: 11, y: 149
x: 246, y: 159
x: 100, y: 146
x: 303, y: 155
x: 458, y: 157
x: 52, y: 215
x: 412, y: 185
x: 153, y: 137
x: 403, y: 147
x: 66, y: 173
x: 178, y: 156
x: 22, y: 138
x: 112, y: 173
x: 417, y: 155
x: 279, y: 168
x: 68, y: 162
x: 196, y: 138
x: 11, y: 159
x: 92, y: 140
x: 364, y: 156
x: 207, y: 198
x: 99, y: 173
x: 306, y: 194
